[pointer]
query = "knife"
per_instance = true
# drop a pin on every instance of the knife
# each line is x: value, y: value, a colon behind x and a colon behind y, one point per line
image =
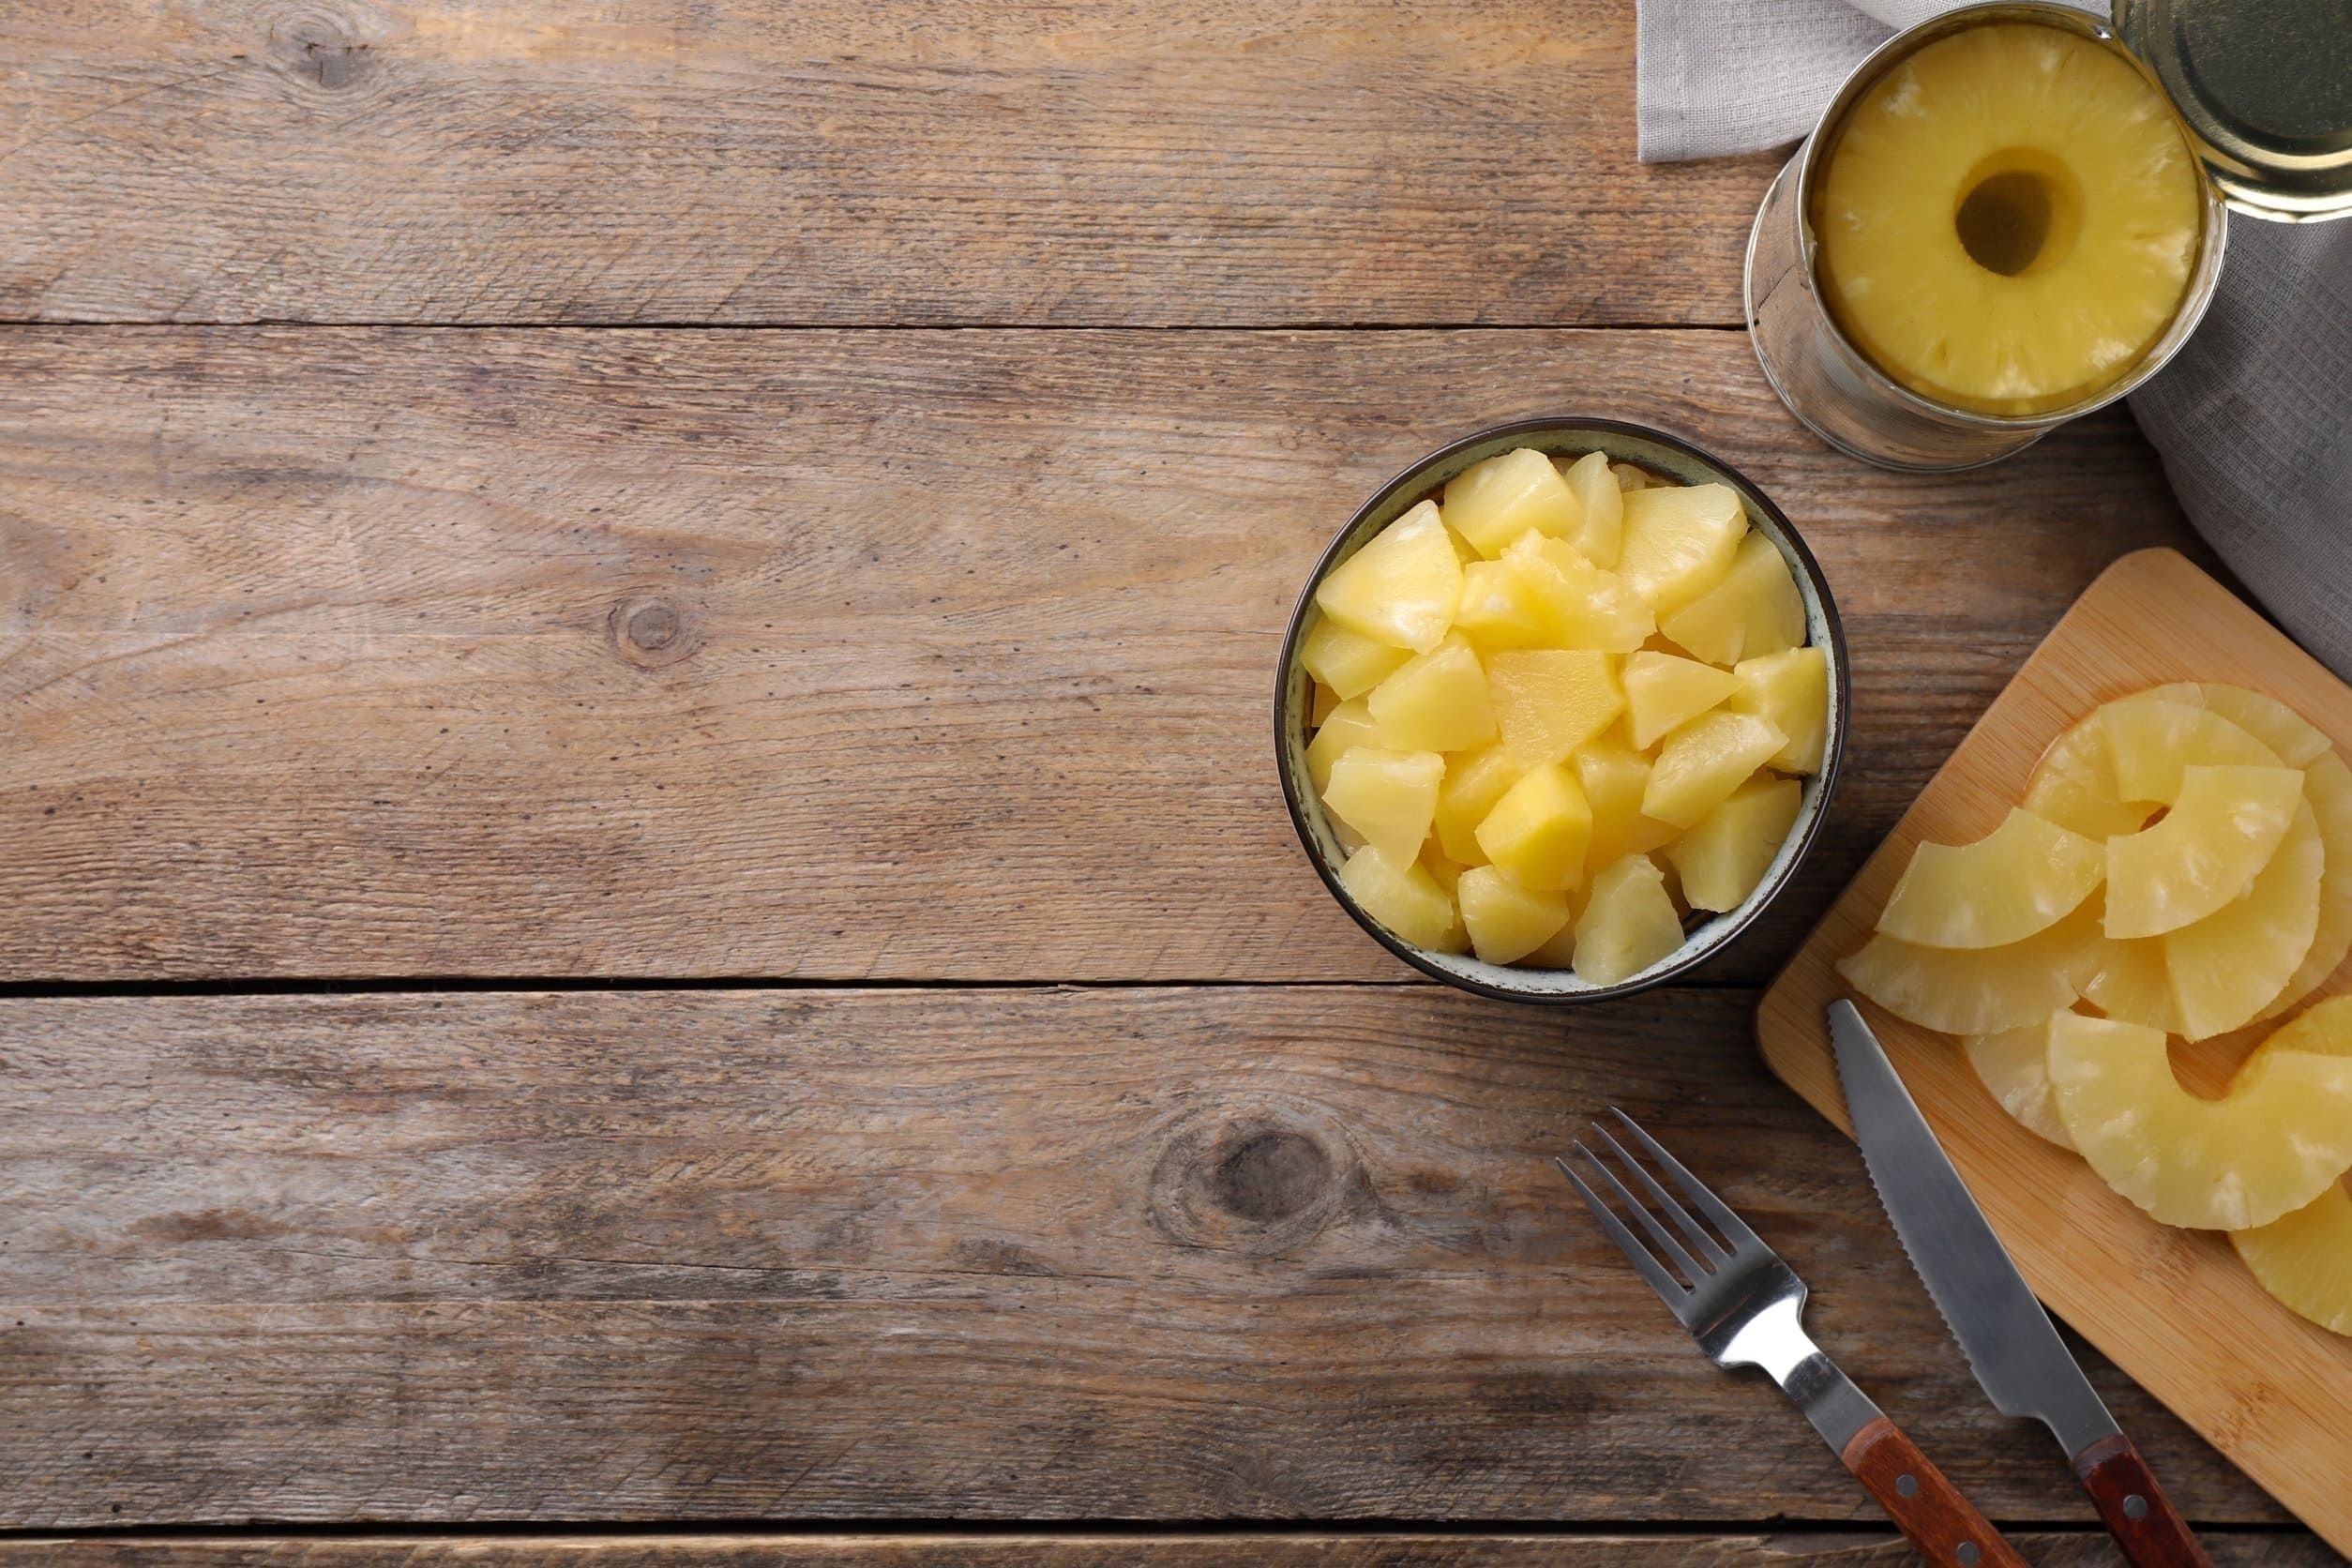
x: 2015, y: 1353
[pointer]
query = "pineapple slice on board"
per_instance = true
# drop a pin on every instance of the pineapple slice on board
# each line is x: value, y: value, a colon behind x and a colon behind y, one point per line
x: 1978, y: 990
x: 2202, y: 853
x: 2150, y: 741
x: 2015, y: 1067
x: 2073, y: 785
x: 2128, y: 981
x: 2328, y: 789
x: 2304, y: 1259
x: 2227, y: 968
x: 2298, y: 742
x: 2023, y: 877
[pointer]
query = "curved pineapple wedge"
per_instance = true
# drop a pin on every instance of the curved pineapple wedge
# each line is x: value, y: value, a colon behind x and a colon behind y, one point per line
x: 1978, y: 990
x: 2298, y: 742
x: 2327, y: 790
x: 2283, y: 1134
x: 2015, y: 1067
x: 2227, y: 968
x: 2024, y: 877
x: 2305, y: 1259
x: 2151, y: 743
x: 2222, y: 828
x: 2128, y: 981
x: 2073, y: 785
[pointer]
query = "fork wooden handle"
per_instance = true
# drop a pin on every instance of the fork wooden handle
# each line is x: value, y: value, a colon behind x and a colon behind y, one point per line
x: 2141, y: 1518
x: 1927, y: 1508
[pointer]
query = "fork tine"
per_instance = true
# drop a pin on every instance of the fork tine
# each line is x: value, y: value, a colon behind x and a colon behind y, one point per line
x: 1713, y: 1248
x: 1670, y: 1289
x: 1664, y: 1240
x: 1735, y: 1229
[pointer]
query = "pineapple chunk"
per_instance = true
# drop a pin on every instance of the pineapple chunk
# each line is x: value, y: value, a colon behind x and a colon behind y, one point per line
x: 1507, y: 922
x: 1390, y: 797
x: 1598, y: 538
x: 1722, y: 859
x: 2149, y: 741
x: 1628, y: 477
x: 1349, y: 726
x: 2227, y: 968
x: 1978, y: 990
x: 1679, y: 542
x: 2279, y: 1138
x: 1498, y: 609
x: 2327, y: 788
x: 1493, y: 503
x: 2025, y: 875
x: 1443, y: 869
x: 2129, y: 982
x: 1403, y: 898
x: 1321, y: 705
x: 1755, y: 609
x: 1549, y: 702
x: 1614, y: 777
x: 1436, y: 701
x: 1474, y: 781
x: 1538, y: 831
x: 1627, y: 925
x: 2304, y: 1259
x: 1792, y: 689
x: 2202, y: 853
x: 1663, y: 689
x: 1402, y: 587
x: 2073, y: 785
x: 2015, y: 1065
x: 1348, y: 662
x: 1580, y: 605
x: 1703, y: 762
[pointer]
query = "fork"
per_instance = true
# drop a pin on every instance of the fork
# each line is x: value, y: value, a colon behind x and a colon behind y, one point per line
x: 1746, y: 1308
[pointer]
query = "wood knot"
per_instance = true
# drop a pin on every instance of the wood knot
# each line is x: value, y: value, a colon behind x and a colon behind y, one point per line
x: 326, y: 46
x: 651, y: 630
x: 1270, y: 1176
x: 1263, y: 1176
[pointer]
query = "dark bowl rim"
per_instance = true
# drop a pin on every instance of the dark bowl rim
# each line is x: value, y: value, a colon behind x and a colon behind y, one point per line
x: 1832, y: 757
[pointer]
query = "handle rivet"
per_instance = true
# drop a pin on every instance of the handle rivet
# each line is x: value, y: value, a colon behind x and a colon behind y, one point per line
x: 2136, y: 1507
x: 1907, y: 1486
x: 1968, y: 1554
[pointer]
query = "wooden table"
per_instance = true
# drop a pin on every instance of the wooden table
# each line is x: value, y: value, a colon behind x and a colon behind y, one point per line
x: 644, y: 907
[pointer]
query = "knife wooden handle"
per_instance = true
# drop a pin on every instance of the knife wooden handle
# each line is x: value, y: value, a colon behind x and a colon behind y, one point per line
x: 2141, y: 1518
x: 1929, y: 1509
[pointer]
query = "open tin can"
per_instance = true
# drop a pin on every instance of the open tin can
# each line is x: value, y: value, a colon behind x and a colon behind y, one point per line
x: 2262, y: 91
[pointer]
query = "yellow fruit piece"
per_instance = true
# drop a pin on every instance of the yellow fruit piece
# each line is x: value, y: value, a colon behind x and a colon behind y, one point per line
x: 2227, y: 968
x: 1321, y: 704
x: 1627, y: 925
x: 2296, y: 741
x: 1390, y: 797
x: 1663, y: 690
x: 1722, y: 859
x: 1977, y: 991
x: 1628, y: 477
x: 1402, y: 587
x: 2305, y: 1259
x: 2014, y: 1065
x: 1348, y: 662
x: 2128, y: 981
x: 2277, y: 1140
x: 1792, y: 690
x: 2328, y: 789
x: 1404, y: 897
x: 1349, y: 726
x: 2008, y: 218
x: 1507, y: 922
x: 1548, y: 701
x: 1614, y: 777
x: 2223, y: 827
x: 1493, y: 503
x: 1498, y: 610
x: 1538, y: 831
x: 2073, y: 785
x: 1443, y: 869
x: 2149, y: 741
x: 1598, y: 538
x: 1474, y: 781
x: 1580, y: 605
x: 1703, y: 762
x: 2025, y: 875
x: 1755, y: 609
x: 1436, y: 701
x: 1679, y: 541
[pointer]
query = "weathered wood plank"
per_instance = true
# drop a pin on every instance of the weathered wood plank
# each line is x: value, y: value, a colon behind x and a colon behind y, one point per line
x: 729, y: 161
x: 1204, y: 1252
x: 2051, y: 1548
x: 825, y: 655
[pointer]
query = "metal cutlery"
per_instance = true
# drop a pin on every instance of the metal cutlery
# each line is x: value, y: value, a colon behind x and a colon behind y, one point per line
x: 2012, y: 1347
x: 1745, y: 1307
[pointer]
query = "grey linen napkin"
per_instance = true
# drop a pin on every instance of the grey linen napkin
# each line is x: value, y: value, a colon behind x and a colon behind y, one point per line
x: 2253, y: 419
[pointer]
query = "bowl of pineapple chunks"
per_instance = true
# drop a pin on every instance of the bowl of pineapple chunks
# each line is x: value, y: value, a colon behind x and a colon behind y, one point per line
x: 1561, y: 710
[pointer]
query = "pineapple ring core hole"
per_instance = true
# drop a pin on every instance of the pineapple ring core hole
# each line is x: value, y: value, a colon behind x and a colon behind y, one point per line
x: 2019, y: 213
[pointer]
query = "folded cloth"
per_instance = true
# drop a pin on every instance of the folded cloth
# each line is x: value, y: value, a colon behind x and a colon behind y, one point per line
x: 2253, y: 418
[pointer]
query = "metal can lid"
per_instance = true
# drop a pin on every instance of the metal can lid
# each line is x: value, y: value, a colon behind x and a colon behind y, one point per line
x: 2266, y: 89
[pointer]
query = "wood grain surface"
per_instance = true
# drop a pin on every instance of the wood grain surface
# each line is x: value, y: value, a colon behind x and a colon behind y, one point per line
x: 1139, y: 1253
x: 814, y: 655
x: 733, y: 161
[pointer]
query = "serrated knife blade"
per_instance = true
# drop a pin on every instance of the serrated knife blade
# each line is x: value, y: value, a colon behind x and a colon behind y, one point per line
x: 2010, y: 1345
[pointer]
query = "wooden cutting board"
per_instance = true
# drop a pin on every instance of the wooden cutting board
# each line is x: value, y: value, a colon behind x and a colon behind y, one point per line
x: 2174, y: 1308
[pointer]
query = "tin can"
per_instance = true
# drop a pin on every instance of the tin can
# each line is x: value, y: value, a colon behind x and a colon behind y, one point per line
x: 2255, y: 100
